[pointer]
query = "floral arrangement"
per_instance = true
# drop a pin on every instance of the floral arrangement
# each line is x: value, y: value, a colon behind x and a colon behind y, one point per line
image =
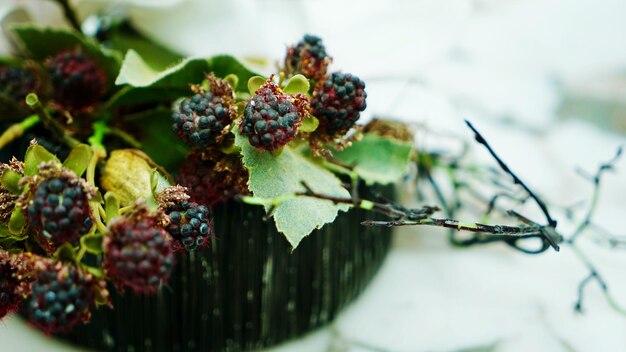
x: 131, y: 155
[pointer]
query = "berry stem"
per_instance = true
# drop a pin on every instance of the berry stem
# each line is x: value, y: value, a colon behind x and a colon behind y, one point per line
x: 99, y: 152
x: 70, y: 14
x: 32, y: 100
x: 17, y: 130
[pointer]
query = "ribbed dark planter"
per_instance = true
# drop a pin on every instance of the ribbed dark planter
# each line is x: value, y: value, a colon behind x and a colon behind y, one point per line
x: 247, y: 291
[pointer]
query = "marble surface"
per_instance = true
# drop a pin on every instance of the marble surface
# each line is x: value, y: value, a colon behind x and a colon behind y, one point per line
x: 437, y: 63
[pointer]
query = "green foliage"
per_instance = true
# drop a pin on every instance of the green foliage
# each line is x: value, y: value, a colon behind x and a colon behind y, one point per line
x: 111, y: 206
x: 254, y: 83
x: 310, y: 124
x: 377, y: 159
x: 92, y: 243
x: 17, y: 221
x: 43, y: 42
x: 274, y: 176
x: 35, y: 155
x: 66, y: 253
x: 10, y: 181
x: 79, y: 159
x: 297, y: 84
x: 147, y: 83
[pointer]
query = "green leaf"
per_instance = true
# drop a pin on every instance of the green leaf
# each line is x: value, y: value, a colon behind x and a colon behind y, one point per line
x: 79, y: 159
x: 111, y: 206
x: 4, y: 231
x: 377, y: 159
x: 297, y: 84
x: 43, y: 42
x: 158, y: 182
x: 232, y: 79
x: 92, y: 243
x: 309, y: 124
x: 224, y: 65
x: 10, y: 181
x: 35, y: 155
x: 17, y: 221
x: 155, y: 54
x: 273, y: 176
x: 155, y: 128
x: 66, y: 253
x: 254, y: 83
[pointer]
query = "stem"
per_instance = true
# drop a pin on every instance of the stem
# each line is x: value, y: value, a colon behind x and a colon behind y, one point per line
x: 126, y: 137
x: 17, y: 130
x: 70, y: 14
x: 99, y: 152
x: 460, y: 225
x: 32, y: 100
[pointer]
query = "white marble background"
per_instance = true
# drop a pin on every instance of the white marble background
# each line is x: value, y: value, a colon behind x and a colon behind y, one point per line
x: 436, y: 63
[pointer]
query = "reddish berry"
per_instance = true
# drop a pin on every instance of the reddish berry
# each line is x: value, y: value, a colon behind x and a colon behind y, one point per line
x: 10, y: 297
x: 337, y: 103
x: 77, y: 82
x: 137, y: 254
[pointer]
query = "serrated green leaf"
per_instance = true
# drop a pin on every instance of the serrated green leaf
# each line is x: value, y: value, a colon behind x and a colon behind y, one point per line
x: 297, y: 84
x: 43, y: 42
x: 273, y: 176
x: 92, y: 243
x: 66, y: 253
x: 377, y: 159
x: 309, y: 124
x: 79, y: 159
x: 35, y: 155
x: 17, y: 221
x: 10, y: 181
x: 254, y: 83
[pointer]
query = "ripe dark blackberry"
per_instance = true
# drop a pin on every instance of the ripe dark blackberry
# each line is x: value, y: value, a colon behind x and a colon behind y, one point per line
x: 17, y: 82
x: 337, y: 103
x: 77, y: 82
x: 271, y: 118
x: 202, y: 120
x: 59, y: 210
x: 214, y: 180
x: 308, y: 57
x: 60, y: 298
x: 137, y: 253
x: 190, y: 225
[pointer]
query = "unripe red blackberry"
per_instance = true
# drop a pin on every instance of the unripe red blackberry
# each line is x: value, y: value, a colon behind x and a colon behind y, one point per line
x: 17, y: 82
x: 308, y: 57
x: 190, y: 225
x: 271, y: 118
x: 59, y: 210
x: 337, y: 103
x: 202, y: 120
x: 137, y: 253
x: 214, y: 180
x: 77, y: 82
x: 61, y: 296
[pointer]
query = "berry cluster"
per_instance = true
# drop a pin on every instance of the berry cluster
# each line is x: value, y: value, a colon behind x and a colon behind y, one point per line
x: 10, y: 299
x: 77, y: 82
x: 308, y: 57
x: 190, y: 225
x: 337, y: 102
x: 137, y: 253
x: 59, y: 211
x: 201, y: 120
x: 270, y: 119
x: 17, y: 82
x: 60, y: 298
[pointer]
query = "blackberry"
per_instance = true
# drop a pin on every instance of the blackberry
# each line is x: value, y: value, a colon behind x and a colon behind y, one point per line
x: 337, y: 103
x: 308, y: 57
x: 77, y: 82
x: 215, y: 180
x: 202, y: 120
x: 137, y: 253
x: 59, y: 210
x: 271, y: 118
x: 10, y: 298
x: 17, y: 82
x: 61, y: 296
x: 190, y: 225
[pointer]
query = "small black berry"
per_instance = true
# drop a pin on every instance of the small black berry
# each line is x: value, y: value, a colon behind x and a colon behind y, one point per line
x: 202, y: 119
x: 308, y: 57
x: 190, y: 225
x: 337, y: 103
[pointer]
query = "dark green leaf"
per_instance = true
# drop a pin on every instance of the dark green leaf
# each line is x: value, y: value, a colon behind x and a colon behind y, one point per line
x: 92, y: 243
x: 43, y: 42
x: 79, y: 159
